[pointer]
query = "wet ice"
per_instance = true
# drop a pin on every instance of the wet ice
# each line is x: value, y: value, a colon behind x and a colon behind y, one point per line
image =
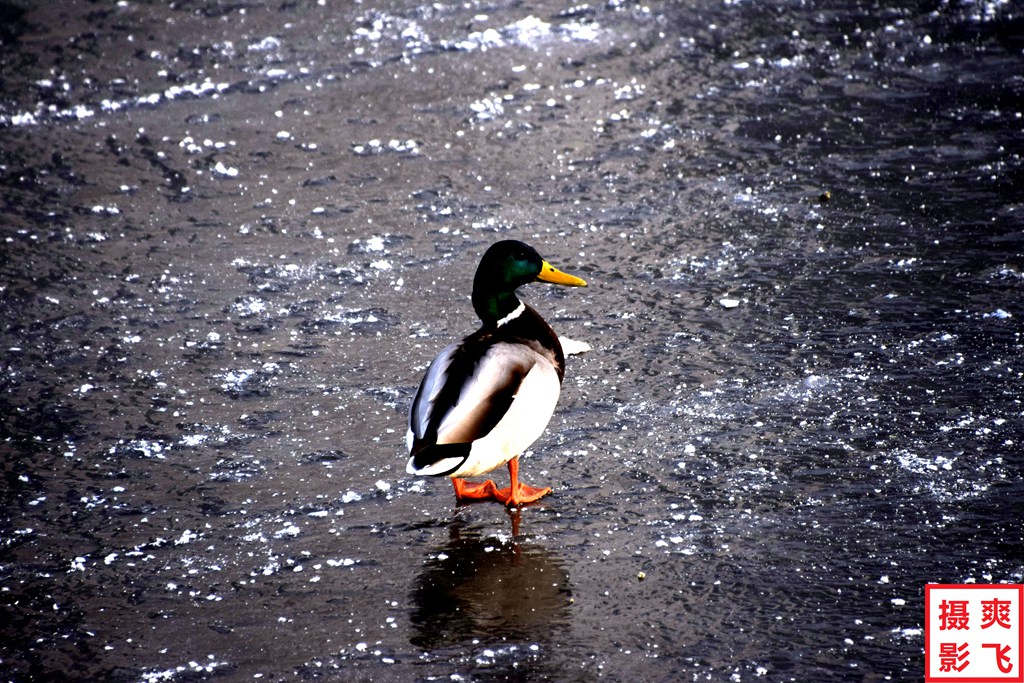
x: 802, y: 372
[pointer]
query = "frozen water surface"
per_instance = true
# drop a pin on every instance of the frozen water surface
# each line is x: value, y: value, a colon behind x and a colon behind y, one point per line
x: 234, y: 235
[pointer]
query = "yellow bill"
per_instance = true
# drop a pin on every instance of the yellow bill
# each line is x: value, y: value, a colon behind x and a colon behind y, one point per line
x: 548, y: 273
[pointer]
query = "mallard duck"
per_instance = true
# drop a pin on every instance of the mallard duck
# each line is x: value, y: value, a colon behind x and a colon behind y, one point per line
x: 486, y: 398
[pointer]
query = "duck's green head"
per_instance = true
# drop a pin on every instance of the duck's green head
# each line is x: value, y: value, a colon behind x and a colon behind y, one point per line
x: 505, y: 266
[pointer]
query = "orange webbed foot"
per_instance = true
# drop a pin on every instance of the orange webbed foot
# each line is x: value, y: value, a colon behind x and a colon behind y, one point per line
x: 514, y: 495
x: 469, y: 492
x: 521, y: 495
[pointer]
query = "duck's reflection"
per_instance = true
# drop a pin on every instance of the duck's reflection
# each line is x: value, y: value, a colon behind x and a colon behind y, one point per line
x: 483, y: 586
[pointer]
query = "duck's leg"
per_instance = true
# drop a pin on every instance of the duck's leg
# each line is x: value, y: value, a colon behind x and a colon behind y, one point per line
x: 467, y: 492
x: 517, y: 494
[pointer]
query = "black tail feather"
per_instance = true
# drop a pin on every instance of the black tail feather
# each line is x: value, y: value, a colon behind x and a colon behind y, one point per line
x: 426, y: 456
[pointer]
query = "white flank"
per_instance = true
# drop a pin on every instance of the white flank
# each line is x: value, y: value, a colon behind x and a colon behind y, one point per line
x: 491, y: 373
x: 522, y: 425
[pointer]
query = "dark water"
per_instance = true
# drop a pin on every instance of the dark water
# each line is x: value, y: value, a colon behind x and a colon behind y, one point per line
x: 234, y: 234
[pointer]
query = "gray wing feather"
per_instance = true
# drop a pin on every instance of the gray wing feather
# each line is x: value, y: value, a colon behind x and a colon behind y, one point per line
x: 463, y: 402
x: 431, y: 386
